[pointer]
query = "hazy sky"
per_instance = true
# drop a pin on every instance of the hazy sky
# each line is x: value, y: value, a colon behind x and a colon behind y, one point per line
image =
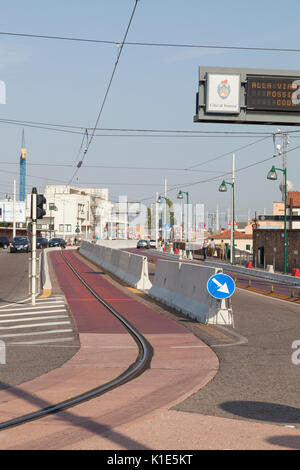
x: 63, y: 82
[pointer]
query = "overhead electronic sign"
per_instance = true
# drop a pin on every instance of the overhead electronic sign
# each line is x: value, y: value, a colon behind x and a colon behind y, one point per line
x: 273, y: 93
x: 248, y: 96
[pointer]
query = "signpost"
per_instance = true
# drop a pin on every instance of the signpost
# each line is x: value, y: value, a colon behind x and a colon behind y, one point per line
x: 248, y: 96
x: 221, y: 286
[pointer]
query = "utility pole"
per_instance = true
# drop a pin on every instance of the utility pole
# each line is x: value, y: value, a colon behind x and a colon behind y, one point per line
x: 217, y: 220
x: 14, y: 211
x: 232, y: 251
x: 165, y: 228
x: 156, y: 220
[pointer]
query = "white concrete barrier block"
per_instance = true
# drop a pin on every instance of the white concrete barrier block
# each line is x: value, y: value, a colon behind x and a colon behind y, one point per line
x: 129, y: 267
x: 183, y: 287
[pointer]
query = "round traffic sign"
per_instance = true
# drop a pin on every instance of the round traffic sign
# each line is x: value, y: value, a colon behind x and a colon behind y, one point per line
x: 221, y: 286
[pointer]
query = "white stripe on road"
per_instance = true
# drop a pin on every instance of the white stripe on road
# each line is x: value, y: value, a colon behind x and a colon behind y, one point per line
x: 31, y: 313
x: 20, y: 309
x: 43, y: 341
x: 37, y: 333
x: 48, y: 317
x: 33, y: 325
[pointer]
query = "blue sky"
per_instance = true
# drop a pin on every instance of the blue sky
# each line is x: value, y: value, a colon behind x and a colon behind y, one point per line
x: 154, y: 88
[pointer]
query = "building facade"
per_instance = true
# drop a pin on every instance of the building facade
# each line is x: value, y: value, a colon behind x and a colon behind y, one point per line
x: 268, y: 248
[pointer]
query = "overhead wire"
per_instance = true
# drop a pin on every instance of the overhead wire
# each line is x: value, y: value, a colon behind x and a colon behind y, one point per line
x: 151, y: 44
x: 106, y: 93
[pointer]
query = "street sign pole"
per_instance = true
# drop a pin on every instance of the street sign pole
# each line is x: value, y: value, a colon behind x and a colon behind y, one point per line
x: 33, y: 246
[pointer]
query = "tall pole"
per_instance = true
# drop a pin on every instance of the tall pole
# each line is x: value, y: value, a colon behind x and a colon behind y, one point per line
x: 156, y: 219
x: 33, y: 245
x: 187, y: 223
x: 285, y: 232
x: 232, y: 251
x: 165, y: 228
x: 14, y: 210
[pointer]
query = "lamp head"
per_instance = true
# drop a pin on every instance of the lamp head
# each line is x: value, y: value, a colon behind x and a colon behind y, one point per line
x: 159, y: 199
x: 180, y: 195
x: 272, y: 175
x: 223, y: 187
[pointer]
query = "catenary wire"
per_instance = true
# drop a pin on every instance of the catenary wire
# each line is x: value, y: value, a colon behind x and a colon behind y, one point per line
x: 150, y: 44
x: 106, y: 93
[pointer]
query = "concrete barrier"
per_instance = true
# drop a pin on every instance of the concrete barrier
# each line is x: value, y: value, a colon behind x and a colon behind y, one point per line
x: 129, y: 267
x: 184, y: 287
x: 117, y: 244
x: 44, y: 270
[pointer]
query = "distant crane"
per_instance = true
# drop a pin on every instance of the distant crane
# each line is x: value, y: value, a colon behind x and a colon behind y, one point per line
x: 23, y: 169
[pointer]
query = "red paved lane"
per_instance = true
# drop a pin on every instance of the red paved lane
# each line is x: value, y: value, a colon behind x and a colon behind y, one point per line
x: 90, y: 316
x: 181, y: 364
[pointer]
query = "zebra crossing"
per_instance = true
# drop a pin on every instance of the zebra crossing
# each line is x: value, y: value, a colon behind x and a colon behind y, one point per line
x: 48, y: 321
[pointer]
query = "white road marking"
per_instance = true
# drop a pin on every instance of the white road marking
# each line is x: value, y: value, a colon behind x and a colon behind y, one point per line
x: 43, y: 341
x: 33, y: 325
x: 31, y: 313
x: 21, y: 309
x: 48, y: 317
x: 36, y: 333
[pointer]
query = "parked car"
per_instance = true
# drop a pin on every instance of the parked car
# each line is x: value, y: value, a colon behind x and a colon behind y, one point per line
x: 57, y: 242
x: 153, y: 244
x: 4, y: 242
x: 143, y: 244
x: 20, y: 244
x: 42, y: 242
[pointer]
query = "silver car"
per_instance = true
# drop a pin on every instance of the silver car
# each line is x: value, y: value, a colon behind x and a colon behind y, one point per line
x: 143, y: 244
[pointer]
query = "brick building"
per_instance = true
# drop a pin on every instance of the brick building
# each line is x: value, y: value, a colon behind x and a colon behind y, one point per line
x: 268, y: 248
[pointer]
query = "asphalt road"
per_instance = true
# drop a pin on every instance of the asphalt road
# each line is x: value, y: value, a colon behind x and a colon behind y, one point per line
x: 257, y: 379
x: 242, y: 280
x: 37, y: 339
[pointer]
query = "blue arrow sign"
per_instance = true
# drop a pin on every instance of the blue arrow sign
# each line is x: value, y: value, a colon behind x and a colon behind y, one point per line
x: 221, y: 286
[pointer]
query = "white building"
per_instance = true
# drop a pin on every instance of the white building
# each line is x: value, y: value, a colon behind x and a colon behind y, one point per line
x: 74, y: 212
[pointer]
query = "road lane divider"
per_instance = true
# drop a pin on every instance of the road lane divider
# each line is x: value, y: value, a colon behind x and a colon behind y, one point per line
x: 129, y: 267
x: 183, y: 287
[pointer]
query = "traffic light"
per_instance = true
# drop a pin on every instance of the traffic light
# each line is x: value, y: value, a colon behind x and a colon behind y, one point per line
x: 37, y: 203
x: 40, y: 201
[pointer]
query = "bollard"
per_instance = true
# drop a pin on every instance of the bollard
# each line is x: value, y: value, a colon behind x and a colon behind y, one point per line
x: 249, y: 283
x: 292, y: 294
x: 272, y: 289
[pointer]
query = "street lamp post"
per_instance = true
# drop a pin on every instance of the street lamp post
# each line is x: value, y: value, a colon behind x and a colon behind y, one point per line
x: 223, y: 189
x: 52, y: 207
x: 272, y: 175
x: 180, y: 196
x: 159, y: 200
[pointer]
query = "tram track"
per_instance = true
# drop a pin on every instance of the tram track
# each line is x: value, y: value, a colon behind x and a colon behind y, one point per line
x: 141, y: 364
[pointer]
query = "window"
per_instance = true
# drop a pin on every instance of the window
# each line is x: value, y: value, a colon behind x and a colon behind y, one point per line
x: 248, y: 247
x: 68, y: 228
